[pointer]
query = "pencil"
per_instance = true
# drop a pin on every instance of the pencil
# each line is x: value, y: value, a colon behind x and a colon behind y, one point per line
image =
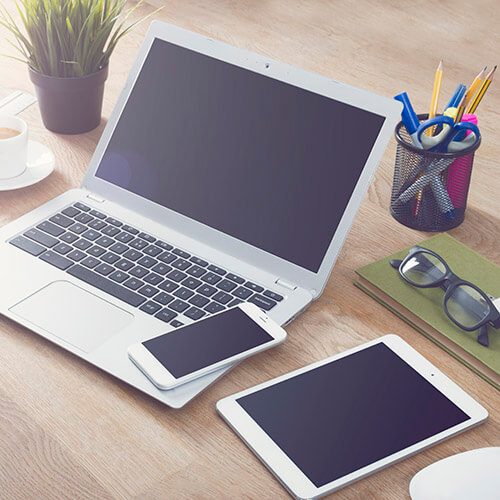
x: 460, y: 110
x: 474, y: 86
x: 435, y: 95
x: 482, y: 90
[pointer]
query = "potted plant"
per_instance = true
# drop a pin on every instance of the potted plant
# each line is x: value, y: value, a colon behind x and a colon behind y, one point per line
x: 67, y: 45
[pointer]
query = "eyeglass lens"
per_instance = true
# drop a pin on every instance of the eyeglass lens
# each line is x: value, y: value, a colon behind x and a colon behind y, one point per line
x: 467, y: 306
x: 423, y: 269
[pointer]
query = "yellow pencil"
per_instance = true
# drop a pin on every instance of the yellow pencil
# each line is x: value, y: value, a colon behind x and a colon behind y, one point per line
x: 482, y: 90
x: 435, y: 95
x: 460, y: 110
x: 474, y: 86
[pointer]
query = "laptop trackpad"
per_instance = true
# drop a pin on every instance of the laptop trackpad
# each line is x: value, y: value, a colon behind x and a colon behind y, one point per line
x: 74, y: 315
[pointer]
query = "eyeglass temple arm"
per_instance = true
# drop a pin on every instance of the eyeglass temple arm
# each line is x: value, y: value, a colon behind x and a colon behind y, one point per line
x: 395, y: 263
x: 482, y: 336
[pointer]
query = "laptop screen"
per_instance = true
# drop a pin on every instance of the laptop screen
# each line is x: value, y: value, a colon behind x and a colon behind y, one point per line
x: 266, y: 162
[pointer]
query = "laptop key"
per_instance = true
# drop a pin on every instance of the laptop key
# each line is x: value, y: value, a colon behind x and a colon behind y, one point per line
x: 42, y: 238
x: 213, y: 307
x: 82, y: 244
x: 104, y: 241
x: 61, y: 220
x: 176, y: 324
x: 97, y: 214
x: 96, y: 251
x: 50, y: 228
x: 118, y: 276
x: 124, y: 237
x: 163, y: 244
x: 115, y: 222
x: 91, y: 235
x: 110, y: 258
x: 167, y: 257
x: 178, y: 305
x: 84, y: 218
x: 118, y: 248
x: 222, y: 297
x: 254, y: 287
x: 132, y: 254
x: 169, y: 286
x: 70, y: 211
x: 211, y: 278
x: 152, y: 250
x: 181, y: 264
x: 183, y: 293
x: 104, y: 269
x: 147, y: 237
x: 217, y: 269
x: 198, y: 261
x: 226, y: 285
x: 161, y: 268
x: 153, y: 279
x: 124, y: 265
x: 150, y: 307
x: 106, y: 285
x: 147, y: 261
x: 81, y: 206
x: 68, y: 237
x: 56, y: 260
x: 234, y: 302
x: 148, y: 290
x: 163, y: 298
x: 133, y: 283
x: 262, y: 302
x: 235, y: 278
x: 196, y: 271
x: 27, y: 245
x: 139, y: 244
x: 176, y: 275
x: 97, y: 224
x: 199, y: 301
x: 194, y: 313
x: 273, y: 295
x: 206, y: 290
x: 191, y: 283
x: 139, y: 272
x: 109, y: 230
x: 62, y: 248
x: 181, y: 253
x: 77, y: 228
x: 90, y: 262
x: 166, y: 315
x: 242, y: 293
x: 76, y: 255
x: 130, y: 229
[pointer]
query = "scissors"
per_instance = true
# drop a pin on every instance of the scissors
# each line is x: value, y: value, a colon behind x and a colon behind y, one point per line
x: 452, y: 137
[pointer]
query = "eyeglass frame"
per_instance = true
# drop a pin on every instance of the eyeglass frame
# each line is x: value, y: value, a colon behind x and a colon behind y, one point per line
x: 449, y: 283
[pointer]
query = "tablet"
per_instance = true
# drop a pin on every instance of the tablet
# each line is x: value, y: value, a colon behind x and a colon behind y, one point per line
x: 324, y: 426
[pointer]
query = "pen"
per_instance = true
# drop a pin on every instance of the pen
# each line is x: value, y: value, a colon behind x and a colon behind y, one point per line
x: 456, y: 97
x: 409, y: 118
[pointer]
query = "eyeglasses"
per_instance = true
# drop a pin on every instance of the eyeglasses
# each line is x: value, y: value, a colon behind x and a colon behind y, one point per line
x: 464, y: 303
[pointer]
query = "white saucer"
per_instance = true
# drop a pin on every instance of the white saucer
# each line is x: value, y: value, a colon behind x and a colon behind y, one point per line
x: 41, y: 163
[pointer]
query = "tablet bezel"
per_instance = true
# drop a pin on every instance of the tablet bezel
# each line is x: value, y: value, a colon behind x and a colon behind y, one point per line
x: 291, y: 476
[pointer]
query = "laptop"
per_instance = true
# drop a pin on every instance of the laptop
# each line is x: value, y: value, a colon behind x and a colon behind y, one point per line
x: 221, y: 176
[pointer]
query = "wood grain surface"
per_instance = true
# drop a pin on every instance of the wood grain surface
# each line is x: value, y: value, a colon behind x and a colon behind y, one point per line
x: 67, y: 430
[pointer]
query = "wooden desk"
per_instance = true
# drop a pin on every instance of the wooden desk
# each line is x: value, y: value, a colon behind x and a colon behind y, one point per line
x: 67, y: 430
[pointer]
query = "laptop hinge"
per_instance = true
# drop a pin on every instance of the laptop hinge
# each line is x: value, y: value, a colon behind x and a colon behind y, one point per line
x: 93, y: 197
x: 284, y: 284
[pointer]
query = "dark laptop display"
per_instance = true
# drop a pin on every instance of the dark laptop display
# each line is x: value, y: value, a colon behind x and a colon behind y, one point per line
x: 266, y: 162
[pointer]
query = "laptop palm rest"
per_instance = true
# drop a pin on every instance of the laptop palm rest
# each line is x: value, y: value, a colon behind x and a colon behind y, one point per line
x: 73, y: 314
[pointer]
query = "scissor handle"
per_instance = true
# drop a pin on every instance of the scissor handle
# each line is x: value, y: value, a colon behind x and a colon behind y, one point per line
x: 463, y: 143
x: 432, y: 143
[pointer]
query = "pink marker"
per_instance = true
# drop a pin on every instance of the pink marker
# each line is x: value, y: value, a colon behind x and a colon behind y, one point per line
x: 459, y: 172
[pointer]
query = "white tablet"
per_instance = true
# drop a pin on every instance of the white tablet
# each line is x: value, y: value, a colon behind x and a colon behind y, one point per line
x: 324, y: 426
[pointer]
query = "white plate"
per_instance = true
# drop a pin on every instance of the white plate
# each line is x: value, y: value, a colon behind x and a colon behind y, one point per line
x: 41, y: 163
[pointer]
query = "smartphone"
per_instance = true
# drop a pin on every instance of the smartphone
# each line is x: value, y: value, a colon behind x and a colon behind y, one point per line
x: 206, y: 345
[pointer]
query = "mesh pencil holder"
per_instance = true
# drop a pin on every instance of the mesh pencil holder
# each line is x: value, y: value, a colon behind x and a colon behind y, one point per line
x: 441, y: 204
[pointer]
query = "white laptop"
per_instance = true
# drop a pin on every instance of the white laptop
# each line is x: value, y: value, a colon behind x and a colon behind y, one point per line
x: 221, y: 176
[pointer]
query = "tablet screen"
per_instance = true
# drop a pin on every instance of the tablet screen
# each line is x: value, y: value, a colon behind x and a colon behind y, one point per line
x: 347, y: 414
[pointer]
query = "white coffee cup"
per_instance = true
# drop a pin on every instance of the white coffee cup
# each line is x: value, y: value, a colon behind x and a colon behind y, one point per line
x: 13, y: 150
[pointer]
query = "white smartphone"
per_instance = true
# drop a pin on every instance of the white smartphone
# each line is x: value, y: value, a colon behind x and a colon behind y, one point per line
x: 206, y: 345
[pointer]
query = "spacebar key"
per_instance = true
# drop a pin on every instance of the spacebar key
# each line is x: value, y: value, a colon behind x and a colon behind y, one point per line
x: 108, y: 286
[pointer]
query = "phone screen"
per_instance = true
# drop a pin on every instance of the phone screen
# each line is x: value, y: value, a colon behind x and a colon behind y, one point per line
x: 207, y: 342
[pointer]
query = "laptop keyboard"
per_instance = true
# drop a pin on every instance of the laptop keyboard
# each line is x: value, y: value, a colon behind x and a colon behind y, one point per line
x: 138, y: 268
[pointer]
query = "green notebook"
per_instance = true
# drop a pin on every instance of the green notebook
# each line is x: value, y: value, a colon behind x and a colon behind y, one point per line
x: 423, y: 309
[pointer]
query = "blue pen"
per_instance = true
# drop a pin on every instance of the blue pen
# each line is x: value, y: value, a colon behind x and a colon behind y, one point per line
x: 456, y: 97
x: 409, y: 118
